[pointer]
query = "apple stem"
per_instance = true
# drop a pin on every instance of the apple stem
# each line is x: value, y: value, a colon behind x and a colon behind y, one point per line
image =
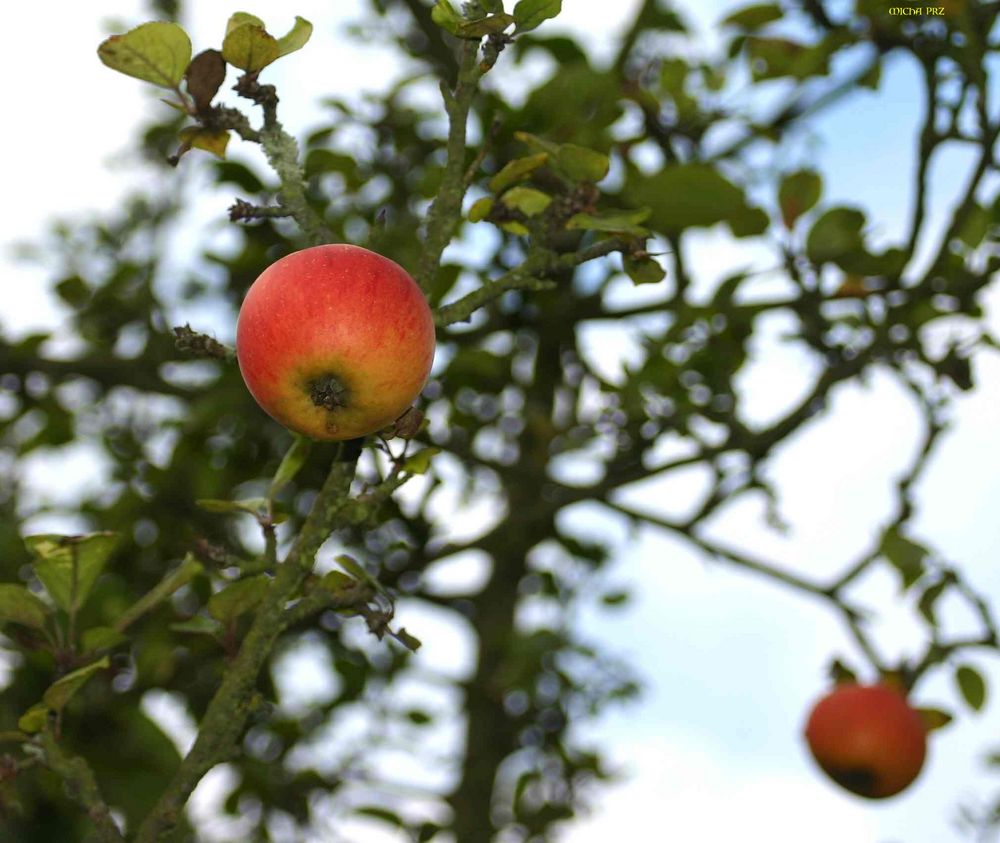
x: 326, y: 391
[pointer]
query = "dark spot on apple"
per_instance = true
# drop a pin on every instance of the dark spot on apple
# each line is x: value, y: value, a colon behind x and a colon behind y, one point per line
x: 328, y: 392
x: 860, y: 780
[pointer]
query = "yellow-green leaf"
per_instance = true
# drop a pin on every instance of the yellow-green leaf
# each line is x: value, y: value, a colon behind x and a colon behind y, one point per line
x: 623, y: 222
x: 101, y: 638
x: 445, y: 16
x: 18, y: 605
x: 199, y: 624
x: 68, y: 566
x: 254, y: 506
x: 33, y: 720
x: 296, y: 38
x: 480, y: 209
x: 527, y: 200
x: 475, y: 29
x: 59, y: 693
x: 295, y: 457
x: 157, y: 52
x: 582, y: 164
x: 337, y: 581
x: 419, y: 462
x: 240, y: 18
x: 537, y: 143
x: 211, y: 140
x: 513, y: 171
x: 250, y: 47
x: 515, y: 227
x: 643, y: 270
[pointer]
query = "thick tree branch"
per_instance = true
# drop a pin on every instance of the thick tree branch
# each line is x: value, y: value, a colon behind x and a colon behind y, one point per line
x: 81, y: 786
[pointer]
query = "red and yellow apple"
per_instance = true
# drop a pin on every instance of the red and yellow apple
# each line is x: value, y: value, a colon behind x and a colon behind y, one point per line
x: 335, y: 342
x: 868, y: 739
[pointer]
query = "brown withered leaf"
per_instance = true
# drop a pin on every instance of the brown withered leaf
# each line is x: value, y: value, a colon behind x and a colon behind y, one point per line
x: 204, y: 77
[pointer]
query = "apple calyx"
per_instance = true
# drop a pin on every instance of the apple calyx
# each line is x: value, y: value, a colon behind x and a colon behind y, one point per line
x: 328, y: 392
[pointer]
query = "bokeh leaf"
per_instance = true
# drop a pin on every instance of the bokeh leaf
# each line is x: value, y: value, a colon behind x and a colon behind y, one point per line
x: 799, y: 191
x: 972, y: 686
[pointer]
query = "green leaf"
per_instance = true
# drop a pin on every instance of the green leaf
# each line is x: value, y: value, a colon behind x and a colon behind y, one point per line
x: 411, y: 642
x: 513, y: 171
x: 619, y: 222
x: 418, y: 717
x: 530, y: 14
x: 296, y: 37
x: 254, y: 506
x: 240, y: 597
x: 33, y: 720
x: 537, y: 143
x: 60, y: 692
x: 749, y: 222
x: 841, y: 674
x: 753, y: 17
x: 643, y: 270
x: 295, y: 457
x: 74, y: 291
x: 480, y: 209
x: 211, y: 140
x: 157, y: 52
x: 582, y: 164
x: 934, y: 718
x: 685, y: 195
x: 199, y: 624
x: 972, y: 686
x: 615, y: 598
x: 799, y: 191
x: 475, y: 29
x: 336, y: 581
x: 18, y: 605
x: 835, y: 235
x: 101, y: 638
x: 515, y: 227
x: 419, y: 462
x: 68, y: 566
x: 905, y: 556
x: 975, y: 226
x: 250, y: 47
x: 384, y: 814
x: 445, y: 16
x: 527, y: 200
x: 176, y: 579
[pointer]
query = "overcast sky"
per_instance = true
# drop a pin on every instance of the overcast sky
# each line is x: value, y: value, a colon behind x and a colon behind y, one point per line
x: 713, y: 751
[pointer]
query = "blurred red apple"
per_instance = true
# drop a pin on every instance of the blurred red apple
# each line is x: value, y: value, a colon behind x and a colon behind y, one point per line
x: 335, y: 342
x: 867, y: 739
